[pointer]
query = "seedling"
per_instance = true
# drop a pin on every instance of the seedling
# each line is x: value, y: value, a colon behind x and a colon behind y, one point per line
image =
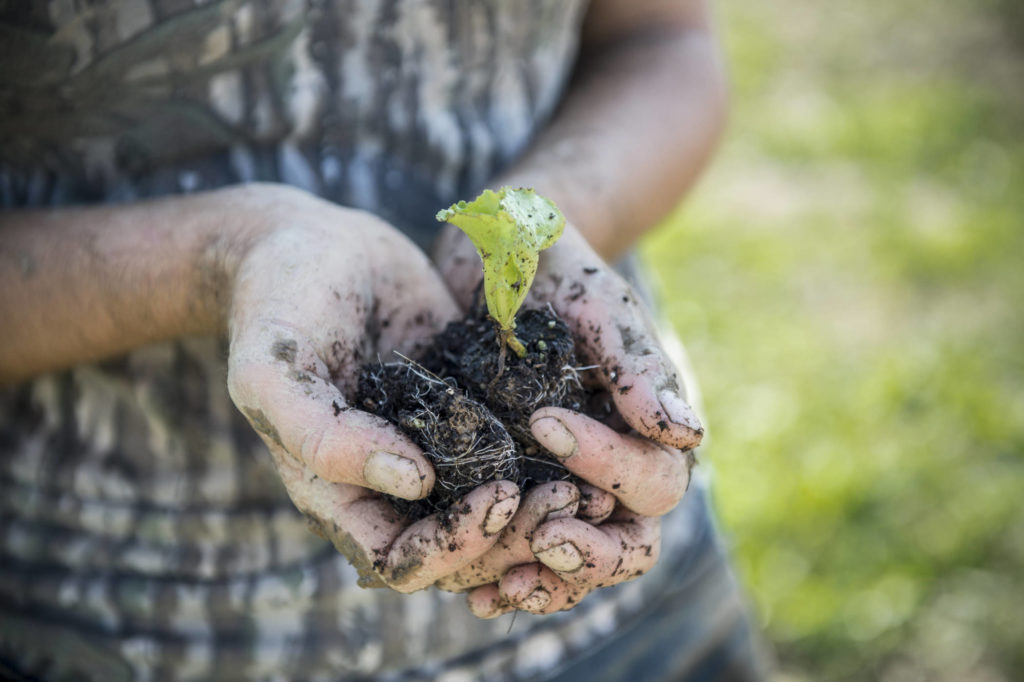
x: 457, y: 400
x: 509, y: 229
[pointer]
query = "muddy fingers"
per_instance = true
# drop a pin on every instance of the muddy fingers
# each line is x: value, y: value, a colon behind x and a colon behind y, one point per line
x: 534, y: 588
x: 613, y: 330
x: 645, y: 476
x: 435, y: 546
x: 621, y: 549
x: 380, y: 543
x: 558, y: 499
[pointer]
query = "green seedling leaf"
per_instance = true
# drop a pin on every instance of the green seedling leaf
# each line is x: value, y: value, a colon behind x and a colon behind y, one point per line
x: 509, y: 228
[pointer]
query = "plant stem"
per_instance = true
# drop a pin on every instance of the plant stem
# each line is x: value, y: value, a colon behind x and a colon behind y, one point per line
x: 508, y: 338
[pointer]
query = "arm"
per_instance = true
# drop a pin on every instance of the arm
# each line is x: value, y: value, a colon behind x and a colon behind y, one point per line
x: 643, y: 113
x: 296, y: 284
x: 81, y: 284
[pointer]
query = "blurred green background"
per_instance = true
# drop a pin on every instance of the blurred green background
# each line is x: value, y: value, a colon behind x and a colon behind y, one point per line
x: 849, y: 280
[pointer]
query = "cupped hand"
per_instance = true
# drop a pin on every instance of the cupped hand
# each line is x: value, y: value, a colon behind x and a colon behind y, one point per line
x: 317, y: 291
x: 642, y: 474
x: 565, y: 541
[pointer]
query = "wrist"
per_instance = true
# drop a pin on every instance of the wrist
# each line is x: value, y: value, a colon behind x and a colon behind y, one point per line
x: 227, y: 224
x: 233, y: 222
x: 89, y: 283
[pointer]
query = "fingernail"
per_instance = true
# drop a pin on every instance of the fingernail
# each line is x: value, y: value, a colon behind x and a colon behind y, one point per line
x: 678, y: 411
x: 555, y: 437
x: 537, y: 600
x: 566, y: 512
x: 564, y: 557
x: 500, y: 514
x: 394, y: 475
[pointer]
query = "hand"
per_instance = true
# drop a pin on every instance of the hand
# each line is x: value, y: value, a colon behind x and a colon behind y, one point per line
x: 318, y: 291
x: 544, y: 564
x: 565, y: 542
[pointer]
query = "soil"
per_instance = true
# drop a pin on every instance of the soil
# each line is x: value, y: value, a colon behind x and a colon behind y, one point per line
x: 468, y: 404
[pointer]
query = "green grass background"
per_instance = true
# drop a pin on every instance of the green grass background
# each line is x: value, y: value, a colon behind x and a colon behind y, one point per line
x: 849, y: 280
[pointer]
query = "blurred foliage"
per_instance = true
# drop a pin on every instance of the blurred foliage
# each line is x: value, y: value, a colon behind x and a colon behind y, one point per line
x: 849, y: 280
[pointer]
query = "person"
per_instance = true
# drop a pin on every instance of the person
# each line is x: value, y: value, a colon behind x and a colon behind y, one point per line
x: 201, y: 244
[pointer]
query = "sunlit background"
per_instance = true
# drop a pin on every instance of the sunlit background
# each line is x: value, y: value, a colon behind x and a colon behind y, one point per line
x: 849, y: 280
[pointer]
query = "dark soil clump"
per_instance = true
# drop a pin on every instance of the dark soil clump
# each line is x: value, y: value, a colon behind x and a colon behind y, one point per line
x: 468, y: 405
x: 467, y: 444
x: 546, y: 376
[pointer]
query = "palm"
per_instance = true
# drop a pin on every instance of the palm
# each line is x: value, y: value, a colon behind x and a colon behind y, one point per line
x: 313, y: 300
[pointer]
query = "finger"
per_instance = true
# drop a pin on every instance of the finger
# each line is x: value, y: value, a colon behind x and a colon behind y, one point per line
x: 486, y: 602
x: 635, y: 370
x: 373, y: 536
x: 545, y: 502
x: 459, y: 264
x: 613, y: 330
x: 596, y: 505
x: 277, y: 381
x: 646, y: 477
x: 361, y: 524
x: 598, y: 556
x: 534, y: 588
x: 444, y: 542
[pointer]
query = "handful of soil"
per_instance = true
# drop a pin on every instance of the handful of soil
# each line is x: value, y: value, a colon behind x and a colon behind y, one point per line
x: 467, y: 403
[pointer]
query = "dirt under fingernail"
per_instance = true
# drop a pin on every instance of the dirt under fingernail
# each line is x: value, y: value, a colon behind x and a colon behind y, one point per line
x: 678, y: 411
x: 564, y: 557
x: 393, y: 474
x: 556, y: 437
x: 499, y: 515
x: 537, y: 600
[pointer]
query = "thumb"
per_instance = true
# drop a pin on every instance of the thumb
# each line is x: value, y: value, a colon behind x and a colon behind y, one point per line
x: 277, y: 382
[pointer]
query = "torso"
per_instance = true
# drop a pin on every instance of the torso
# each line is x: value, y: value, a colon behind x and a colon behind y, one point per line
x: 144, y: 531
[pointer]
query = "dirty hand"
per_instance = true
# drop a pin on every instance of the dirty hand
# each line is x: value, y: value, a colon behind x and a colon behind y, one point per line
x: 564, y: 542
x: 316, y: 291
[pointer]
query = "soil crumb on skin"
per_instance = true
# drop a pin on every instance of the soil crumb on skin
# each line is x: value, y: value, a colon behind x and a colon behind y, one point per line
x: 472, y: 420
x: 285, y: 349
x: 262, y: 425
x: 402, y: 571
x: 345, y: 545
